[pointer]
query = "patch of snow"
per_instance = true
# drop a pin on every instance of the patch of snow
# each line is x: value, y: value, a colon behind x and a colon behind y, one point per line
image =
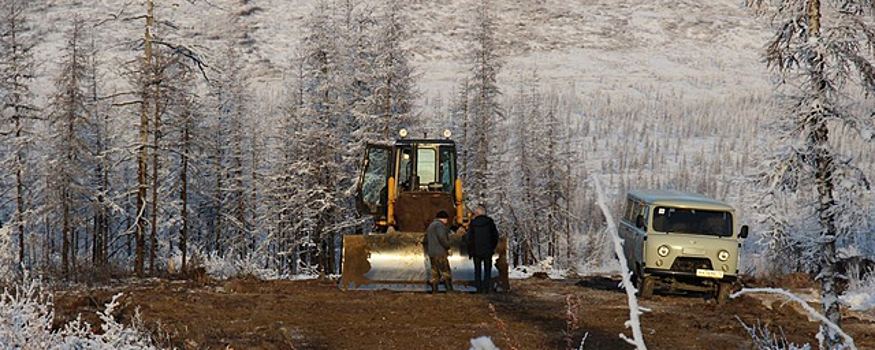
x: 848, y: 252
x: 860, y: 295
x: 545, y: 266
x: 228, y: 266
x: 482, y: 343
x: 860, y: 301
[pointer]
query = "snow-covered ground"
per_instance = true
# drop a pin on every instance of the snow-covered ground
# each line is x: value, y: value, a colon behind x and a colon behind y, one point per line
x: 544, y: 267
x: 860, y: 295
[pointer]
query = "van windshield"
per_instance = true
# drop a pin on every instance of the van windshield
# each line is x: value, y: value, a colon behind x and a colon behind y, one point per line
x: 694, y: 221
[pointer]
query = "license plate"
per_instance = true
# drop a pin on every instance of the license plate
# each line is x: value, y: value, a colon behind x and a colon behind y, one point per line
x: 709, y: 273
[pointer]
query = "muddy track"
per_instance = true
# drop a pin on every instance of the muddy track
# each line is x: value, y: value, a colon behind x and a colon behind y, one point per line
x: 251, y: 314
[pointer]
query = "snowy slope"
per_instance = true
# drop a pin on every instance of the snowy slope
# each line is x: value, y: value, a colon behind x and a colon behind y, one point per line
x: 704, y: 48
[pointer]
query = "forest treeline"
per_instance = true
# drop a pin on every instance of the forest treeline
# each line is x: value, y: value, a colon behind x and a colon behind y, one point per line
x: 180, y: 163
x: 172, y: 156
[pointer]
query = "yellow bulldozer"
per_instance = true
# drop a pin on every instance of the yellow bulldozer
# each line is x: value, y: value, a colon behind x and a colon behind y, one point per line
x: 402, y: 186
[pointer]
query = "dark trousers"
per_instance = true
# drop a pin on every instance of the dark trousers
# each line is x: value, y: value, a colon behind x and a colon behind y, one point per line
x: 483, y: 273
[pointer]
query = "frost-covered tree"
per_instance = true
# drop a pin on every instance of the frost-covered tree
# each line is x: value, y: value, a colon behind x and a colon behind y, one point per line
x: 28, y: 314
x: 357, y: 80
x: 72, y: 145
x: 395, y: 84
x: 189, y: 143
x: 485, y: 109
x: 143, y: 82
x: 102, y: 153
x: 321, y: 114
x: 460, y: 119
x: 282, y: 185
x: 540, y: 181
x: 525, y: 132
x: 7, y: 255
x: 184, y: 135
x: 17, y: 110
x: 813, y: 191
x: 231, y: 147
x: 153, y: 78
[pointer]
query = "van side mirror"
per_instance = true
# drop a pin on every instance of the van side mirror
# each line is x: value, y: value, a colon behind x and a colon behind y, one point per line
x: 743, y: 233
x: 639, y: 221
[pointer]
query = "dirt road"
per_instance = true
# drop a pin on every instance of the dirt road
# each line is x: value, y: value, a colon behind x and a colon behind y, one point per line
x: 251, y: 314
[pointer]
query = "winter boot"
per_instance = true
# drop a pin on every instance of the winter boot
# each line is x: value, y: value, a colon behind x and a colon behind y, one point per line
x: 449, y: 285
x: 434, y: 288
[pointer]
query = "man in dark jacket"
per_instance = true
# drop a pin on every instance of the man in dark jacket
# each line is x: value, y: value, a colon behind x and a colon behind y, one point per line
x: 437, y: 241
x: 482, y: 240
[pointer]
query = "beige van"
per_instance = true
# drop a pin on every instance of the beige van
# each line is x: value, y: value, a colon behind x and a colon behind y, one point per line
x: 680, y: 240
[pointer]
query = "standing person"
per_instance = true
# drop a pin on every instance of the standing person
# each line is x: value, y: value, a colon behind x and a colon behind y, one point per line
x: 437, y: 240
x: 482, y: 240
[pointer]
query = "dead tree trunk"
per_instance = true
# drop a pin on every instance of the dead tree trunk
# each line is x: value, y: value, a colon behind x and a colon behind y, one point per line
x: 142, y: 154
x: 156, y: 137
x: 186, y: 151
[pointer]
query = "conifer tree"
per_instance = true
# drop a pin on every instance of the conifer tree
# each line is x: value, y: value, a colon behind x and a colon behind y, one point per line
x: 818, y: 52
x: 73, y: 134
x: 485, y: 108
x: 17, y: 110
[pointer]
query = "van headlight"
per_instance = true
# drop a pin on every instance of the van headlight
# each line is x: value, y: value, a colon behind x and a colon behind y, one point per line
x: 723, y: 255
x: 663, y: 251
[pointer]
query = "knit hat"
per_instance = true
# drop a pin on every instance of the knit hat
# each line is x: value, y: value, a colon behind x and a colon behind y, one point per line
x: 443, y: 215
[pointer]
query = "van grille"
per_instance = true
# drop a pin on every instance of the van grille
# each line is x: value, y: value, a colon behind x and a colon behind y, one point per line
x: 690, y: 264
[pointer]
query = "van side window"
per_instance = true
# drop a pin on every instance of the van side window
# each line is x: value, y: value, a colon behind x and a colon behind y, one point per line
x: 645, y: 212
x: 630, y: 210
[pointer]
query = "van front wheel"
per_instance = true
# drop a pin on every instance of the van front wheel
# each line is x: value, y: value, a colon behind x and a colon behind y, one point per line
x: 723, y: 293
x: 645, y: 290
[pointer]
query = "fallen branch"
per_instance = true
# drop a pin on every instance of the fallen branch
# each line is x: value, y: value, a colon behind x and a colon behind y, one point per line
x: 634, y: 323
x: 849, y: 342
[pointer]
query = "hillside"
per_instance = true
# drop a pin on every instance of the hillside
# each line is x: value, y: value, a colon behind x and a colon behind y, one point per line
x: 702, y: 49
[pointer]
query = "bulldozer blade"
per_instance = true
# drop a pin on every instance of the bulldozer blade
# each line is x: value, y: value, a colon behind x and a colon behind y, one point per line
x: 397, y: 261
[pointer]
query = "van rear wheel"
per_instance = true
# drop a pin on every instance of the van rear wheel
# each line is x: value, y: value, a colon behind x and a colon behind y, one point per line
x: 636, y: 277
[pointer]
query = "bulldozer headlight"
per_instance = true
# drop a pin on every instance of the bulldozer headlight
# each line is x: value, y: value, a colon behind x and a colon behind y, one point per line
x: 447, y: 133
x: 723, y: 255
x: 663, y: 250
x: 402, y: 133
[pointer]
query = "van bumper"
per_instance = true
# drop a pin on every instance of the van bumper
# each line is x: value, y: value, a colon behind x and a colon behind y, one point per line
x: 687, y: 275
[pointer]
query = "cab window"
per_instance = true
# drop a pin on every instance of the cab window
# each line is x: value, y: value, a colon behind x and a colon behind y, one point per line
x: 447, y: 171
x: 405, y: 168
x: 373, y: 189
x: 426, y: 161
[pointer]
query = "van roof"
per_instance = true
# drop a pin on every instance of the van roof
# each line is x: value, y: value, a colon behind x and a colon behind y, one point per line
x: 680, y: 199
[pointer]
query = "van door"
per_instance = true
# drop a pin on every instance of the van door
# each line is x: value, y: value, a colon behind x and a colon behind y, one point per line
x: 627, y: 232
x: 641, y: 226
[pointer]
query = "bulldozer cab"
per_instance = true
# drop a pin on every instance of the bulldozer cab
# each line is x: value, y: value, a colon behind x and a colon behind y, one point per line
x: 419, y: 175
x: 402, y: 186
